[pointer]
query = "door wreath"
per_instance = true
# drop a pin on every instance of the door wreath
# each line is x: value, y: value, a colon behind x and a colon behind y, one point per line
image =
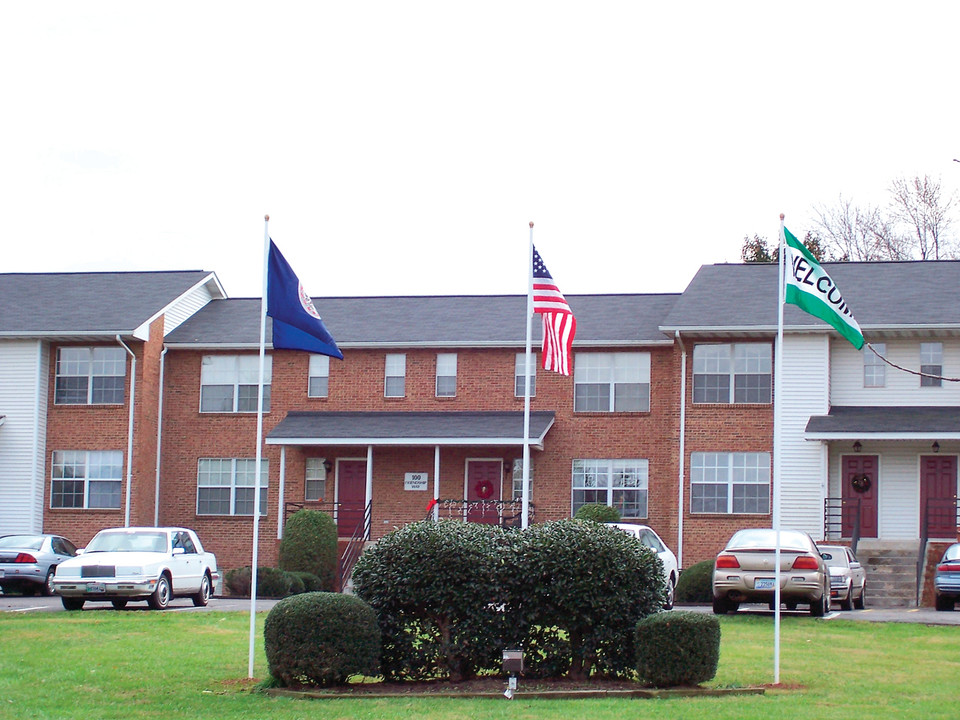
x: 861, y: 483
x: 483, y: 489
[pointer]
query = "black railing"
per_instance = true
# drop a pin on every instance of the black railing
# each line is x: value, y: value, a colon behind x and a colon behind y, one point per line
x: 943, y: 515
x: 333, y: 509
x: 351, y: 553
x: 841, y: 518
x: 505, y: 513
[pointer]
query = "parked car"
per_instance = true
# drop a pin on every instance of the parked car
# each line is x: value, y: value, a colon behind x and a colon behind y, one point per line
x: 848, y: 579
x: 744, y: 571
x: 28, y: 562
x: 154, y: 564
x: 946, y: 580
x: 648, y: 537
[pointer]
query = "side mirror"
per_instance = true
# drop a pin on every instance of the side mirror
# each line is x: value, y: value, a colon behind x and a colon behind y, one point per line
x: 178, y: 551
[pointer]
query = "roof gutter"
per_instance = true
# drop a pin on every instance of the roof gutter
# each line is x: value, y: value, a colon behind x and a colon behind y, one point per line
x: 133, y: 395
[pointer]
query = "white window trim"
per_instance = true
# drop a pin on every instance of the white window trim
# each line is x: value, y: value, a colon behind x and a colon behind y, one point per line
x: 319, y: 368
x: 90, y: 375
x: 731, y: 374
x: 611, y: 488
x: 519, y: 375
x: 320, y: 462
x: 264, y: 485
x: 445, y: 359
x: 611, y: 367
x: 237, y: 377
x: 877, y: 367
x: 86, y: 479
x: 729, y: 481
x: 400, y: 363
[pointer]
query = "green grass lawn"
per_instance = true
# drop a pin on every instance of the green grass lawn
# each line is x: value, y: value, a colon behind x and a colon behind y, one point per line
x: 129, y: 665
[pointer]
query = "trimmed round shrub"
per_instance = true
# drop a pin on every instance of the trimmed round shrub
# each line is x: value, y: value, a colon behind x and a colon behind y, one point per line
x: 598, y: 513
x: 321, y: 638
x: 271, y: 582
x: 696, y: 583
x: 590, y: 581
x: 237, y: 581
x: 309, y: 544
x: 677, y: 648
x: 434, y: 587
x: 311, y: 583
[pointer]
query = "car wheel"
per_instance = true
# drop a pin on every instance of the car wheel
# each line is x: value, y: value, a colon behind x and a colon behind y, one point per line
x: 70, y: 603
x: 944, y: 602
x: 821, y: 606
x: 48, y: 583
x: 119, y: 603
x: 721, y: 606
x: 791, y: 606
x: 161, y: 594
x: 203, y: 594
x: 847, y: 602
x: 861, y: 600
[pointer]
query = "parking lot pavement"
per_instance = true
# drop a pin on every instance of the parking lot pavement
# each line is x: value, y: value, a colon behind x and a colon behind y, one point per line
x: 22, y: 604
x: 923, y: 616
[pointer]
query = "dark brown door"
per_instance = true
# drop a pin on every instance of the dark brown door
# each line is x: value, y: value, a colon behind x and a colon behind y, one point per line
x: 351, y: 495
x: 483, y: 484
x: 860, y: 484
x: 938, y: 493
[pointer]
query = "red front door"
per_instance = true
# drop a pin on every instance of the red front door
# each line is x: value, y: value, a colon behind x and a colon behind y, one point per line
x: 483, y: 484
x: 938, y: 493
x: 860, y: 483
x: 351, y: 495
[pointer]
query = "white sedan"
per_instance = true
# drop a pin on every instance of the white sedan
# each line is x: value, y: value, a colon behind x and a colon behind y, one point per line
x: 649, y: 538
x: 154, y: 564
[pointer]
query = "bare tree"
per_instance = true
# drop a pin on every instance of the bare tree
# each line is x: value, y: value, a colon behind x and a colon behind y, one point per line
x: 850, y: 232
x: 918, y: 203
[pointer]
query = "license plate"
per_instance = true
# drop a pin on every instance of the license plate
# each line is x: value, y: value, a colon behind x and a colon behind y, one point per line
x: 763, y: 584
x: 96, y: 588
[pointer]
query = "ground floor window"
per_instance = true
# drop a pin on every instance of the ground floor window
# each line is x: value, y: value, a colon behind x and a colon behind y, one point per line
x: 619, y: 483
x: 730, y: 483
x: 226, y: 486
x: 518, y: 480
x: 86, y: 479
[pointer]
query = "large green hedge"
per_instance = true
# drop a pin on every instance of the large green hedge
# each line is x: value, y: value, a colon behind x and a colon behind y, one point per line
x: 677, y: 648
x: 696, y: 583
x: 309, y: 545
x: 598, y: 512
x: 321, y: 638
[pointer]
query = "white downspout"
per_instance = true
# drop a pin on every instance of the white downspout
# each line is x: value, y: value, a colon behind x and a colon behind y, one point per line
x: 683, y: 435
x: 280, y: 488
x: 133, y: 396
x: 156, y: 490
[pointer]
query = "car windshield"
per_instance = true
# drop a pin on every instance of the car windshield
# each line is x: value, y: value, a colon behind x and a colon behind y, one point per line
x: 128, y: 542
x: 763, y: 539
x: 27, y: 542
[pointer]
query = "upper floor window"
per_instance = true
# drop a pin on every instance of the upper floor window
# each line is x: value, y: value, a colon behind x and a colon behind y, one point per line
x: 395, y: 375
x: 611, y: 382
x: 227, y: 486
x: 90, y: 376
x: 520, y: 377
x: 874, y: 369
x: 86, y: 479
x: 446, y: 374
x: 228, y: 383
x: 931, y: 363
x: 316, y: 479
x: 730, y: 483
x: 518, y: 479
x: 318, y: 383
x: 618, y: 483
x: 732, y: 373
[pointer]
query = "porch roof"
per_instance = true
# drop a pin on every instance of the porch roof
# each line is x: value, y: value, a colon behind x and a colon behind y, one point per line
x: 886, y: 423
x: 410, y: 428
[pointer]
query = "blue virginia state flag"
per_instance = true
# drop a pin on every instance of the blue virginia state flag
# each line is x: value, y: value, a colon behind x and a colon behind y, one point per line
x: 296, y: 322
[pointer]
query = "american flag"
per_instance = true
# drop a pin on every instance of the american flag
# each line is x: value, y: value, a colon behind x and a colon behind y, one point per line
x: 559, y: 324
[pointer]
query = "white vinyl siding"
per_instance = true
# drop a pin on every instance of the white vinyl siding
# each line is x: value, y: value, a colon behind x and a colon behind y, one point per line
x: 229, y: 383
x: 185, y: 307
x: 318, y: 381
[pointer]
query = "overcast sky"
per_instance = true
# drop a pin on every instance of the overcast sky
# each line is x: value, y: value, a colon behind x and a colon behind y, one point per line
x: 401, y: 148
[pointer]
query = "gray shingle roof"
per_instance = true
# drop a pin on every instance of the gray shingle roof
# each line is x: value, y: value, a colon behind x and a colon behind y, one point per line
x: 880, y: 295
x: 408, y: 428
x: 108, y: 303
x: 495, y: 320
x: 846, y: 421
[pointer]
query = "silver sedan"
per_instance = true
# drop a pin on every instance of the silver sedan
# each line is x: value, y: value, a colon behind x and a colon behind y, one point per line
x: 28, y: 562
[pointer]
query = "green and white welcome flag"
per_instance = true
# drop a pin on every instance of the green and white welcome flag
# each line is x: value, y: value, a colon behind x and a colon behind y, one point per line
x: 810, y: 288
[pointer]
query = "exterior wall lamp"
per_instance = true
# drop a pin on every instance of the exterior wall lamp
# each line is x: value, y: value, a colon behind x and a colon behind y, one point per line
x: 857, y: 446
x: 935, y: 447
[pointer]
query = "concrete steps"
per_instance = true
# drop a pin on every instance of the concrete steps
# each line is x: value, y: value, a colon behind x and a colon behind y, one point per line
x: 891, y: 568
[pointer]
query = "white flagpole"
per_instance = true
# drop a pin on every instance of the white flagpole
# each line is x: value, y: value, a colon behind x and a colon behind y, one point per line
x: 777, y: 464
x: 259, y: 454
x: 525, y: 504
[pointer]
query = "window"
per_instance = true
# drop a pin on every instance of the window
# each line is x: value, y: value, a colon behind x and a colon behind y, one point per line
x: 518, y: 479
x: 395, y: 375
x: 318, y: 383
x: 732, y: 373
x: 874, y: 369
x: 611, y: 382
x: 931, y: 363
x: 730, y: 483
x: 225, y: 486
x: 228, y: 383
x: 446, y: 374
x: 90, y: 376
x: 520, y: 377
x: 316, y: 479
x: 86, y: 479
x: 619, y: 483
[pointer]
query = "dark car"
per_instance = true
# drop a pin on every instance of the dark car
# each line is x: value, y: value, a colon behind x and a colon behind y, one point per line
x: 946, y: 581
x: 28, y: 562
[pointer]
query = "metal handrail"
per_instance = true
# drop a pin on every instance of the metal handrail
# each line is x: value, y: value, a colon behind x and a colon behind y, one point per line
x: 509, y: 513
x: 835, y: 512
x: 351, y: 553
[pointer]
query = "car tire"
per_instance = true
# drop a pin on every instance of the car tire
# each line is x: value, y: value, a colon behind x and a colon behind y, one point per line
x: 944, y: 602
x: 119, y: 603
x: 847, y: 602
x: 70, y: 603
x: 203, y: 594
x: 821, y: 606
x: 161, y: 594
x: 721, y: 606
x: 48, y: 588
x: 861, y: 600
x: 791, y: 606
